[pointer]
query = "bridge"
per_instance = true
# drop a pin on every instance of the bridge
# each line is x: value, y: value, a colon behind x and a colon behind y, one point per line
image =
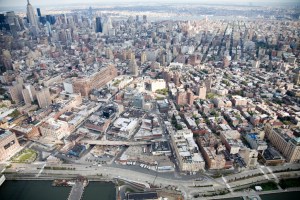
x: 113, y: 143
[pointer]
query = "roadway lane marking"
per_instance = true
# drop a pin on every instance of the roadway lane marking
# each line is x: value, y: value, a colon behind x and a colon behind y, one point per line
x: 3, y: 170
x: 266, y: 176
x: 41, y: 170
x: 268, y: 168
x: 227, y: 185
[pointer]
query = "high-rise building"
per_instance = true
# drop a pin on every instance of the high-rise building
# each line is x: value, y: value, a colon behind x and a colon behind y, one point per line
x: 10, y: 16
x: 145, y: 18
x: 107, y: 26
x: 6, y: 59
x: 297, y: 77
x: 2, y: 19
x: 176, y: 79
x: 143, y: 57
x: 38, y: 10
x: 185, y: 97
x: 208, y: 82
x: 31, y: 92
x: 48, y: 26
x: 50, y: 19
x: 32, y: 18
x: 16, y: 93
x: 90, y: 12
x: 167, y: 77
x: 190, y: 97
x: 98, y: 25
x: 133, y: 66
x: 26, y: 96
x: 44, y: 98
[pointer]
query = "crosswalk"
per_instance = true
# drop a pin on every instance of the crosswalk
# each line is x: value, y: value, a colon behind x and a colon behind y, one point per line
x: 227, y: 185
x: 265, y: 175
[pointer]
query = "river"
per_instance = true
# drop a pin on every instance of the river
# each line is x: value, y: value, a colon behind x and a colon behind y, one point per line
x: 275, y: 196
x: 43, y: 190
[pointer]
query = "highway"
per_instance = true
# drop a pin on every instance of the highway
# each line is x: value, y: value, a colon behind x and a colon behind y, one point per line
x: 109, y: 172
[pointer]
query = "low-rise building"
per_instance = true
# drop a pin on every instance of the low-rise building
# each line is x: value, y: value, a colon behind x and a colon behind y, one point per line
x: 285, y: 141
x: 9, y: 144
x: 187, y: 151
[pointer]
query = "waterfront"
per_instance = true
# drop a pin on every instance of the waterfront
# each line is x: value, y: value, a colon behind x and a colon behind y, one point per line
x: 281, y: 196
x: 274, y: 196
x: 37, y: 190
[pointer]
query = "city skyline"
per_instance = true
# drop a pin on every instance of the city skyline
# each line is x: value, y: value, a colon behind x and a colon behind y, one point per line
x: 149, y: 100
x: 19, y: 3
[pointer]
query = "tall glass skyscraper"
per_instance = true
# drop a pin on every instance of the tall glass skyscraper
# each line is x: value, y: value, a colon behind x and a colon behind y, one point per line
x: 98, y: 25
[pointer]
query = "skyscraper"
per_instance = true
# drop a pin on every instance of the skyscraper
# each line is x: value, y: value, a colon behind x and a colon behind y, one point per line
x: 50, y: 19
x: 133, y: 66
x: 90, y: 12
x: 107, y: 26
x: 144, y: 18
x: 98, y: 25
x: 32, y: 18
x: 38, y: 10
x: 44, y: 98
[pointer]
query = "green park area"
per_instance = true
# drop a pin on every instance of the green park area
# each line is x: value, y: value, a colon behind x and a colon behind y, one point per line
x: 162, y: 91
x: 25, y: 156
x: 116, y: 83
x: 211, y: 95
x: 266, y: 186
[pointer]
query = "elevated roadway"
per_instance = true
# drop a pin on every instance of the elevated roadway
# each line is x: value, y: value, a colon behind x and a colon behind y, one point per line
x: 113, y: 143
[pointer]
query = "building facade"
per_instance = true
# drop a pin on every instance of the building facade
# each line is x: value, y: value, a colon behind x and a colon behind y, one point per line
x: 85, y: 84
x: 9, y: 144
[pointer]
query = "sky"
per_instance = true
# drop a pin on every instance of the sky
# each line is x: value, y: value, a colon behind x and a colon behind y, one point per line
x: 13, y: 3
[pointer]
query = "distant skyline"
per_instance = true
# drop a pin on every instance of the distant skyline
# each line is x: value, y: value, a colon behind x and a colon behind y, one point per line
x: 18, y: 3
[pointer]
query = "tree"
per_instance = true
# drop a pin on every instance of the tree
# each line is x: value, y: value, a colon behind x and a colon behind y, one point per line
x: 14, y: 114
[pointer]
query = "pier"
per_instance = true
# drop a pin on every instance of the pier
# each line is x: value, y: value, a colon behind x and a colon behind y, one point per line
x: 2, y: 180
x: 78, y: 186
x: 76, y: 191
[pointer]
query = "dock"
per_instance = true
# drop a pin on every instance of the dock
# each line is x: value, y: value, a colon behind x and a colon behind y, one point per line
x: 2, y: 180
x: 252, y: 197
x: 76, y: 191
x: 78, y: 186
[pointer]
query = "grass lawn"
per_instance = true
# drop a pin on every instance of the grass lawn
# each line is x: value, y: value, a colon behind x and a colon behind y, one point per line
x: 266, y: 186
x: 25, y: 156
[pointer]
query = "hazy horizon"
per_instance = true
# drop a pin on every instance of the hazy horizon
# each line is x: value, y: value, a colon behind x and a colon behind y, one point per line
x: 20, y: 3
